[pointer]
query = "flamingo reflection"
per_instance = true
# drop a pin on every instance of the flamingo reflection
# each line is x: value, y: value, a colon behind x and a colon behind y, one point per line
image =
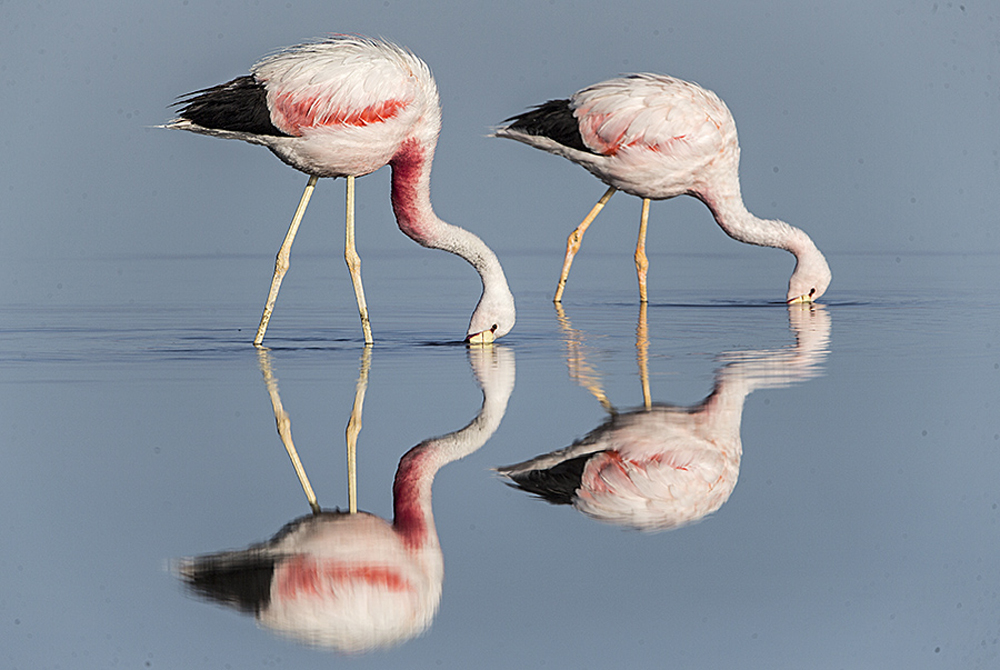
x: 661, y: 467
x: 354, y: 581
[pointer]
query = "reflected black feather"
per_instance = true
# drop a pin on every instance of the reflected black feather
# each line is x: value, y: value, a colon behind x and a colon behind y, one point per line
x: 558, y: 484
x: 239, y: 105
x: 553, y: 119
x: 243, y: 583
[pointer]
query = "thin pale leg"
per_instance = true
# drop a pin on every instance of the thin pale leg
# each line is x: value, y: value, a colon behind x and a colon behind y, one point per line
x: 642, y: 354
x: 282, y: 261
x: 576, y: 238
x: 284, y: 423
x: 641, y: 262
x: 354, y: 264
x: 354, y: 428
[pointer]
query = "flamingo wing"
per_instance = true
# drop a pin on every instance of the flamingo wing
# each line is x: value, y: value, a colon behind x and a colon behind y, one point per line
x: 647, y: 111
x: 238, y: 106
x: 341, y: 82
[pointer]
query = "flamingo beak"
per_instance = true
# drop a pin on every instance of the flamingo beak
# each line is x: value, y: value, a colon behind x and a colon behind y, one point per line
x: 483, y: 338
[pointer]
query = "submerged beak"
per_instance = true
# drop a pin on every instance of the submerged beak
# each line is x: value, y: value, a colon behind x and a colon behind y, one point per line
x: 485, y: 337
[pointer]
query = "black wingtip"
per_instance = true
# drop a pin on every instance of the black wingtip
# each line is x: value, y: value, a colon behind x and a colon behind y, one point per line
x: 553, y: 119
x: 242, y: 583
x: 239, y: 105
x: 558, y: 484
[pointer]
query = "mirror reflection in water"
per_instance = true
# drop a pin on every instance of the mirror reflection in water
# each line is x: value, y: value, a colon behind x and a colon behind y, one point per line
x: 349, y: 580
x: 660, y: 466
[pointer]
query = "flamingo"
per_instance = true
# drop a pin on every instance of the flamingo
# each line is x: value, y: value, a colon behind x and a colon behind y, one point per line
x: 352, y: 581
x: 660, y: 467
x: 658, y: 137
x: 344, y: 107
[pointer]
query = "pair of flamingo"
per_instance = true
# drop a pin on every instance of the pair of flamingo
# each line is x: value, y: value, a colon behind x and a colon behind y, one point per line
x: 346, y: 106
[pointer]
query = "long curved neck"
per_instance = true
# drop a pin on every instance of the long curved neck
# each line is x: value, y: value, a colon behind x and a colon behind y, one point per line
x: 726, y: 203
x: 411, y: 490
x: 411, y: 203
x: 779, y: 368
x: 413, y: 516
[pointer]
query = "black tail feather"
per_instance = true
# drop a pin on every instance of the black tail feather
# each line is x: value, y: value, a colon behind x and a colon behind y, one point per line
x: 239, y: 105
x: 553, y: 119
x: 558, y: 484
x: 242, y: 583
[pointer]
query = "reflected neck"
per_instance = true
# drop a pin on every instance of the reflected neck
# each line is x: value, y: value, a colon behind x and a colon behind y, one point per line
x: 411, y: 490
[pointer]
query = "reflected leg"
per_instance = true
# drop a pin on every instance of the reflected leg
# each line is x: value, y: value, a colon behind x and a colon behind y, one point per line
x: 580, y: 370
x: 354, y: 428
x: 642, y: 354
x: 284, y: 424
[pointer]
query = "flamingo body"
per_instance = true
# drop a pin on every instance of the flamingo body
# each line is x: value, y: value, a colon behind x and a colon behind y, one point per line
x: 344, y: 107
x: 350, y: 581
x: 651, y: 470
x: 658, y: 137
x: 661, y: 466
x: 355, y: 582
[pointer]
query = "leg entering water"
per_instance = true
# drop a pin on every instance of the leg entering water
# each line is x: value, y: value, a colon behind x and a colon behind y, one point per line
x: 576, y: 238
x: 282, y: 261
x: 641, y: 262
x: 354, y: 264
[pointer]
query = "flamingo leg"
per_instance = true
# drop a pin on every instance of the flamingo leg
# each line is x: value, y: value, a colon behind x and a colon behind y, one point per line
x: 284, y: 423
x: 354, y: 264
x: 576, y: 238
x: 642, y: 354
x: 641, y: 262
x: 281, y: 263
x: 354, y: 428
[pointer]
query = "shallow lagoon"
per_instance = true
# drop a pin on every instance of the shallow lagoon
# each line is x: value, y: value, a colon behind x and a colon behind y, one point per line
x: 861, y: 531
x: 138, y: 427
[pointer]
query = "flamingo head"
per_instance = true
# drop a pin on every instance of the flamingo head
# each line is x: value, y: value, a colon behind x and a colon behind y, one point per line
x: 810, y: 279
x: 494, y: 316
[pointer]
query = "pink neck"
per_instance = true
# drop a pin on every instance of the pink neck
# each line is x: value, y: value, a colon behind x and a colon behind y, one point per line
x: 411, y: 200
x: 413, y: 518
x: 411, y: 203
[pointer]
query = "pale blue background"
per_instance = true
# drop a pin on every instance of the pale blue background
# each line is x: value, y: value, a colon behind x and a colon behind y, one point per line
x: 871, y: 125
x: 136, y: 428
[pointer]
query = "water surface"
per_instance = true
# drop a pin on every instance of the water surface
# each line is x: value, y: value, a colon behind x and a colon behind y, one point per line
x: 861, y: 530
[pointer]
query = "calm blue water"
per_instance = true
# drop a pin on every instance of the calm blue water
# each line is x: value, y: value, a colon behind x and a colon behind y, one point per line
x: 862, y: 531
